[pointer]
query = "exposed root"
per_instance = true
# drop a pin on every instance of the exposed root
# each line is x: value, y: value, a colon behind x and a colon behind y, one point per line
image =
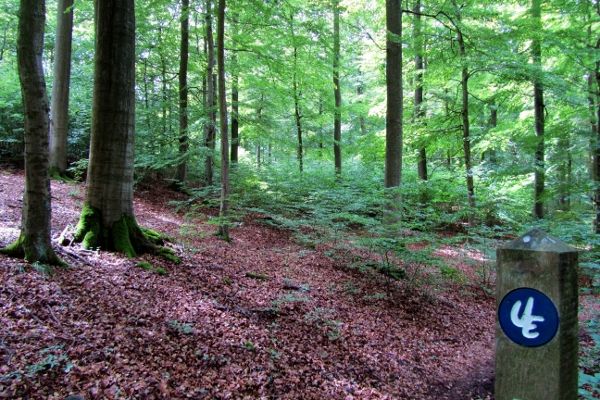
x: 124, y: 236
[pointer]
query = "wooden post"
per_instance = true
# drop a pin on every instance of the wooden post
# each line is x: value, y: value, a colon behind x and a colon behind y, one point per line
x: 536, y: 328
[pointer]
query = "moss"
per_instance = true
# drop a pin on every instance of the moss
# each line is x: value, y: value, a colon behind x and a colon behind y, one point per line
x: 153, y: 236
x: 168, y: 255
x: 88, y: 228
x: 56, y: 175
x: 145, y: 265
x: 15, y: 249
x: 121, y: 237
x: 22, y: 248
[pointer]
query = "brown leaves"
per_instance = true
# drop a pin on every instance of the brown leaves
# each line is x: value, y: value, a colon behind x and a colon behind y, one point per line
x: 212, y: 329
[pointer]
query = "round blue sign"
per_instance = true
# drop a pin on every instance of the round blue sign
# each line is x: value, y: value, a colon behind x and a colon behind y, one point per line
x: 528, y: 317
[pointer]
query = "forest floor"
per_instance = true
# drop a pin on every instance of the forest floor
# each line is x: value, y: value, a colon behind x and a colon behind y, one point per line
x: 260, y: 317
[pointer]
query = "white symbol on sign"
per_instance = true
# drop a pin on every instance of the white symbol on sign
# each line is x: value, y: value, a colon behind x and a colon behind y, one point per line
x: 526, y: 321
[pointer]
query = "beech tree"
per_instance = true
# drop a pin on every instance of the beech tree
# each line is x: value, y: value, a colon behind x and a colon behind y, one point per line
x: 183, y: 90
x: 393, y: 145
x: 419, y: 109
x: 59, y: 119
x: 210, y: 105
x: 224, y: 204
x: 107, y: 219
x: 538, y: 106
x: 337, y: 113
x: 34, y: 241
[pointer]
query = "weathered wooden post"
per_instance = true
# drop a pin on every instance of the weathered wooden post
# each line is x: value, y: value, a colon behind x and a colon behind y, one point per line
x: 536, y: 328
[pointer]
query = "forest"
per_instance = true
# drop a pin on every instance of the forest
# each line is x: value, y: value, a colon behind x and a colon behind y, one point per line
x: 286, y: 198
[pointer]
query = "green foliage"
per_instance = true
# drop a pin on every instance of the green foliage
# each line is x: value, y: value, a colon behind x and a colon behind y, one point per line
x: 78, y: 169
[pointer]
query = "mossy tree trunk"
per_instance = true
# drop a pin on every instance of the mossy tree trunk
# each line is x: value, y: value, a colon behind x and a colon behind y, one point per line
x: 34, y: 241
x: 107, y: 220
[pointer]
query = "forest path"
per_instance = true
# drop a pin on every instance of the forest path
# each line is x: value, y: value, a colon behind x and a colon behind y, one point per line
x: 260, y: 317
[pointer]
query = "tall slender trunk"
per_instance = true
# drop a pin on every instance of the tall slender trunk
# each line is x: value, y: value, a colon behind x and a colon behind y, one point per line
x: 594, y: 104
x: 224, y: 206
x: 165, y: 95
x: 393, y: 147
x: 337, y: 114
x: 235, y: 136
x: 297, y: 113
x: 490, y: 154
x: 259, y: 113
x: 597, y: 149
x: 34, y: 241
x: 464, y: 83
x: 360, y: 90
x: 538, y: 105
x: 419, y: 109
x: 209, y: 132
x: 320, y: 133
x: 183, y: 90
x: 59, y: 109
x: 565, y: 169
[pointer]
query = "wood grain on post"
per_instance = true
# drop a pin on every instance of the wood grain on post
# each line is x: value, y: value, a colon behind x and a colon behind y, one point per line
x: 527, y: 368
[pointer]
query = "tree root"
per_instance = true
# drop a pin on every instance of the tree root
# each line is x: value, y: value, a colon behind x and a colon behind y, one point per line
x: 27, y: 249
x: 124, y: 236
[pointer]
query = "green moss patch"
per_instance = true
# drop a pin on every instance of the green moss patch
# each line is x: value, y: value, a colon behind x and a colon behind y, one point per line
x: 168, y: 255
x: 146, y: 266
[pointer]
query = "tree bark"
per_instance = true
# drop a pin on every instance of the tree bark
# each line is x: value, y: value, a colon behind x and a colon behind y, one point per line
x: 296, y: 94
x: 464, y: 82
x: 224, y: 206
x: 59, y: 119
x: 235, y: 135
x: 594, y: 100
x: 183, y: 90
x: 107, y: 219
x: 209, y: 133
x: 419, y: 109
x: 34, y: 241
x: 337, y: 114
x: 393, y: 147
x: 538, y: 105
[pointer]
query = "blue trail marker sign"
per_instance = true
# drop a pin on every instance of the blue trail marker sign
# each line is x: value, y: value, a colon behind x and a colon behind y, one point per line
x: 536, y: 329
x: 528, y: 317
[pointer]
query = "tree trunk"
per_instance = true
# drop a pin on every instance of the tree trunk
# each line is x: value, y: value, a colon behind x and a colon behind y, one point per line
x: 183, y: 90
x: 597, y: 149
x: 360, y: 90
x: 34, y: 241
x: 224, y: 225
x: 297, y: 112
x: 393, y: 147
x: 419, y: 110
x: 565, y: 168
x: 209, y: 134
x: 538, y: 105
x: 59, y: 119
x: 464, y: 82
x: 235, y: 136
x: 337, y: 114
x: 107, y: 219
